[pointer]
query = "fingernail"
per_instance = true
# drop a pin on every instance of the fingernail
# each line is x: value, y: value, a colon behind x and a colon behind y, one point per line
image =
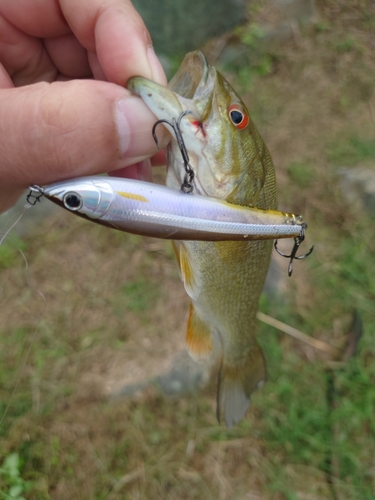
x: 134, y: 123
x: 158, y: 74
x: 123, y: 125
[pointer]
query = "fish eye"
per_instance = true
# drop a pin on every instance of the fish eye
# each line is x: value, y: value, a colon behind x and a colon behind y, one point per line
x: 238, y: 116
x: 72, y: 201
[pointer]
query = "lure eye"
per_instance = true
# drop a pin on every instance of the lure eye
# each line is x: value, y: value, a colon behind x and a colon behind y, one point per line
x: 73, y: 201
x: 238, y: 116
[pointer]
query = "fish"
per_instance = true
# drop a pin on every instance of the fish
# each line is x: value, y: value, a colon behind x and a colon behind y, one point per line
x: 158, y: 211
x: 224, y: 279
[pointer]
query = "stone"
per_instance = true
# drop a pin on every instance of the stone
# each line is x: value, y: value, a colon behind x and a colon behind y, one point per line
x: 358, y: 187
x: 178, y: 26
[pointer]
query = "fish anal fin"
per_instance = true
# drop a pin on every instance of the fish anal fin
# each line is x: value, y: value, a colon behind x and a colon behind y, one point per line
x: 198, y: 336
x: 235, y: 385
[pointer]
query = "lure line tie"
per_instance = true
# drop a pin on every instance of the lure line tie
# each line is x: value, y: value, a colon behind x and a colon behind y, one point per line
x: 187, y: 185
x: 36, y: 192
x: 293, y: 254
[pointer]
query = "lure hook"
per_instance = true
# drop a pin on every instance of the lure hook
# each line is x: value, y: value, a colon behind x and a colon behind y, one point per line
x: 36, y: 192
x: 293, y: 254
x: 187, y: 185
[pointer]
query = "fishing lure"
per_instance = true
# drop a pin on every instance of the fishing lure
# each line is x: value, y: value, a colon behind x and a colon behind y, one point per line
x: 153, y: 210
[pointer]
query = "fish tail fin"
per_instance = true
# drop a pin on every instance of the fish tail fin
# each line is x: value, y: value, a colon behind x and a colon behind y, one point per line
x: 235, y: 385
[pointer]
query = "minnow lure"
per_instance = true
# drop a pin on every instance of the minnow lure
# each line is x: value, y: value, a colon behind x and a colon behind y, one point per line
x: 153, y: 210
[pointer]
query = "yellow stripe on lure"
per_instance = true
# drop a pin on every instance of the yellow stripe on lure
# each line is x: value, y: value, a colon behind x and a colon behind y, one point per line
x: 223, y: 279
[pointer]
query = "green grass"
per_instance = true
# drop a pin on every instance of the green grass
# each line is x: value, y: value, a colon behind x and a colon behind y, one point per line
x: 349, y: 151
x: 302, y: 174
x: 10, y: 251
x: 140, y: 295
x: 12, y: 485
x: 299, y: 426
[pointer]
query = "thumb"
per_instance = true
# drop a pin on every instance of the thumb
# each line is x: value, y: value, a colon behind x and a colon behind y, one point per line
x: 50, y: 132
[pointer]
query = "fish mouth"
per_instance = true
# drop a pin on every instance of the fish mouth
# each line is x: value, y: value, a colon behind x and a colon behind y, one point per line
x: 190, y: 90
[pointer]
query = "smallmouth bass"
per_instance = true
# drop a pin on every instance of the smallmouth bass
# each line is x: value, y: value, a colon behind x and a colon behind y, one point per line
x: 223, y: 279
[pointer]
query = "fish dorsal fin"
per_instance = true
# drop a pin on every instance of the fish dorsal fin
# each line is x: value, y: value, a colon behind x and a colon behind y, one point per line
x: 236, y: 383
x: 192, y: 73
x: 198, y: 336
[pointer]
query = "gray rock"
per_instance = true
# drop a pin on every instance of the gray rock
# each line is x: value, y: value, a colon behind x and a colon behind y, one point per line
x: 178, y: 26
x: 302, y: 11
x: 186, y: 375
x: 358, y: 186
x: 279, y: 21
x: 285, y: 18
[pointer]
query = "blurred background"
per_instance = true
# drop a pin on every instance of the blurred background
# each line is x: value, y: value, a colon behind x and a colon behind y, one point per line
x: 98, y: 399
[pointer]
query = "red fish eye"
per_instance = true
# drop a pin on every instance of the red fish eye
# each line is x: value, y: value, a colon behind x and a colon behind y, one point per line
x: 238, y: 116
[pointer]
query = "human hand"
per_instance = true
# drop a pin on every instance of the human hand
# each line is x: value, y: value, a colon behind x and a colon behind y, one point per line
x: 63, y: 109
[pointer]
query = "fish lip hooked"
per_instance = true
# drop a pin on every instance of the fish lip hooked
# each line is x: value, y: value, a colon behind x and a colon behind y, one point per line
x: 187, y: 185
x: 189, y: 90
x: 187, y: 96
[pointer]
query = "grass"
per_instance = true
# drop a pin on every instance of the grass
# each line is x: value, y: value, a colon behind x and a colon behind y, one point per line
x: 11, y: 483
x: 351, y: 151
x: 9, y: 251
x: 302, y: 174
x: 139, y: 295
x: 117, y: 312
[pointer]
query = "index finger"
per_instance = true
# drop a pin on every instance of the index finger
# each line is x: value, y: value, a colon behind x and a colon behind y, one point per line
x: 111, y: 29
x: 116, y: 33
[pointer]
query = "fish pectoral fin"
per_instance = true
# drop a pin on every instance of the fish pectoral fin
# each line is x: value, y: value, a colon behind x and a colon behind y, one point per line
x: 176, y: 250
x: 198, y: 336
x: 188, y: 275
x: 235, y: 385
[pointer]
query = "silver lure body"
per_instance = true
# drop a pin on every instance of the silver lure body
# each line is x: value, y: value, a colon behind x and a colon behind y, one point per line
x: 153, y: 210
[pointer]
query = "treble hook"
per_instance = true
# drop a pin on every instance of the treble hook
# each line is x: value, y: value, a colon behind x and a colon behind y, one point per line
x: 297, y: 242
x: 36, y: 192
x: 187, y: 185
